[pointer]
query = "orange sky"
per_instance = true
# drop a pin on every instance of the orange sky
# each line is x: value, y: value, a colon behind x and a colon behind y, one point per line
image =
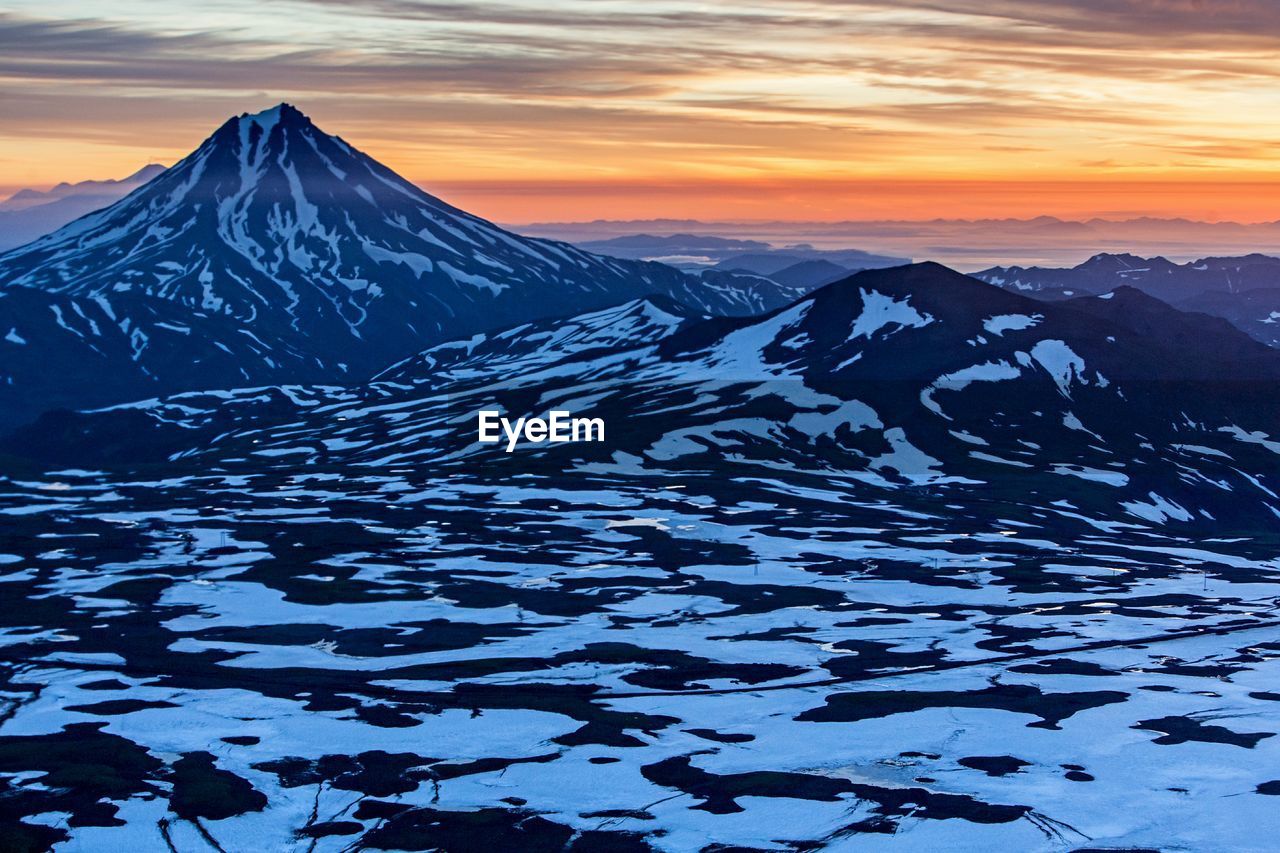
x: 618, y: 109
x: 1209, y: 200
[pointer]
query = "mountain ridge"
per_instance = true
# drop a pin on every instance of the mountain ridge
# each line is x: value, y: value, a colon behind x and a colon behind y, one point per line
x: 1233, y: 288
x: 911, y: 377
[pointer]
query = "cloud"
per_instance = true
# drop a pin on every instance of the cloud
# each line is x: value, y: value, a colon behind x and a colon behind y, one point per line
x: 1219, y: 23
x: 569, y: 88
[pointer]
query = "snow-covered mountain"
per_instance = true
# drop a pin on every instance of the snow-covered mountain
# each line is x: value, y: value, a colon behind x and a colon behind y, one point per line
x: 1115, y: 409
x: 330, y: 263
x: 1241, y: 289
x: 533, y: 346
x: 1157, y: 276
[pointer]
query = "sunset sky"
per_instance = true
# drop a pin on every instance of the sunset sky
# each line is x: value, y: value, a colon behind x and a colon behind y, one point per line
x: 785, y: 109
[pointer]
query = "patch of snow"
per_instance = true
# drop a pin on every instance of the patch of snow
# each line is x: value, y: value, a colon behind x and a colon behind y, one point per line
x: 740, y: 354
x: 1002, y: 323
x: 997, y: 371
x: 1159, y: 510
x: 1096, y: 475
x: 1060, y: 362
x: 880, y: 311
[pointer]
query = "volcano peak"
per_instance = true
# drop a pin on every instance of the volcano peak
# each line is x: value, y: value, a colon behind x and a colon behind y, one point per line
x: 282, y: 111
x: 329, y: 264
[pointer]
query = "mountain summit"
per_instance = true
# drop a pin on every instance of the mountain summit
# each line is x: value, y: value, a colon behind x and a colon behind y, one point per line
x: 325, y: 263
x: 283, y: 227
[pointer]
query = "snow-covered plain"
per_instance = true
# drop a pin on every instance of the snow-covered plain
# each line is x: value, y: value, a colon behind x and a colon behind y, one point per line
x: 303, y: 659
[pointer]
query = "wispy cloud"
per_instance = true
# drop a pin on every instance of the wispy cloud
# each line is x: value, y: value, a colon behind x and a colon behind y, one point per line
x: 599, y: 90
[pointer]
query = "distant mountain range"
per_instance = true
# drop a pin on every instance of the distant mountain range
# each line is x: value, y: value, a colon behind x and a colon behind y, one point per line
x: 1110, y: 410
x: 701, y: 247
x: 795, y: 265
x: 28, y: 214
x: 708, y: 249
x: 959, y: 243
x: 278, y: 253
x: 1244, y: 290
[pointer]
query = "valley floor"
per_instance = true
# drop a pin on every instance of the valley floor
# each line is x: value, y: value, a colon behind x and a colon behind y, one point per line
x: 312, y: 660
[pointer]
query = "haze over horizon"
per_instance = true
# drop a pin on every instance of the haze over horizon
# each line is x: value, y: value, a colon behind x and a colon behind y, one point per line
x: 679, y: 109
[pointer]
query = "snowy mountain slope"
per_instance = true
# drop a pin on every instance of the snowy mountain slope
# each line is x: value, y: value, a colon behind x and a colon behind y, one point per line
x: 61, y: 351
x: 152, y: 429
x: 534, y: 345
x: 333, y: 259
x: 909, y: 377
x: 107, y: 349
